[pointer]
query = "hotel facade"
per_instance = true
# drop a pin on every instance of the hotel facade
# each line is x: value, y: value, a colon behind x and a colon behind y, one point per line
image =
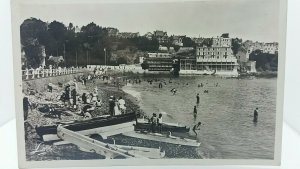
x: 217, y: 59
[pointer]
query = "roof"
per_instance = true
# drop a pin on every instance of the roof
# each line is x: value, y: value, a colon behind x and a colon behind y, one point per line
x: 160, y: 33
x: 56, y: 59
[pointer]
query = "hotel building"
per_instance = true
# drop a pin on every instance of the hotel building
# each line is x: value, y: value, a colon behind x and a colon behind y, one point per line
x: 217, y: 59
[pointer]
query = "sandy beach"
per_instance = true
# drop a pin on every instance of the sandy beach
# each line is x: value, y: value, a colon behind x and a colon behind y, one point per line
x: 37, y: 150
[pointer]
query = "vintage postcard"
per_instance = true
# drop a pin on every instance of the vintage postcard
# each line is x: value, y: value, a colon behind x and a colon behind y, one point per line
x: 193, y: 82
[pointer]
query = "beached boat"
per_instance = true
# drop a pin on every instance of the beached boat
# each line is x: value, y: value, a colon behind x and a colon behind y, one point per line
x: 143, y: 124
x: 163, y: 138
x: 87, y: 124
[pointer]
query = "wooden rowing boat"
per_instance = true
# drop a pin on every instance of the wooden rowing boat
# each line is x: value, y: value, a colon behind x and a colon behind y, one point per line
x: 142, y: 124
x: 87, y: 124
x: 163, y: 138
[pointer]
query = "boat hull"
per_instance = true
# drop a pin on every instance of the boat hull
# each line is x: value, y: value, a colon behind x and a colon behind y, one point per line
x: 87, y: 124
x: 165, y: 127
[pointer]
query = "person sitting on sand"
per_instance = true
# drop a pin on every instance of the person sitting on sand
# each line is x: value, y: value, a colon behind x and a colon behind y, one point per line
x: 86, y: 111
x: 94, y: 97
x: 98, y: 103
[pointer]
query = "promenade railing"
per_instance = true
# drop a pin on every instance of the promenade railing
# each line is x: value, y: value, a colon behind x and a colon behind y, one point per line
x: 121, y: 68
x: 29, y: 74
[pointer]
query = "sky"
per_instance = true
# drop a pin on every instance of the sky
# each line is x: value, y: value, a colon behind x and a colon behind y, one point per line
x: 256, y: 20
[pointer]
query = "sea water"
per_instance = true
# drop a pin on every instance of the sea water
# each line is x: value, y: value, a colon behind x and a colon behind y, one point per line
x: 226, y: 112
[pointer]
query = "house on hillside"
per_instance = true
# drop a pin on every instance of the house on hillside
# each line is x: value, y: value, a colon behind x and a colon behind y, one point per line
x: 177, y: 40
x: 161, y: 36
x: 198, y: 41
x: 242, y: 55
x: 55, y: 60
x: 270, y: 48
x: 112, y: 32
x: 243, y: 60
x: 128, y: 34
x: 149, y: 35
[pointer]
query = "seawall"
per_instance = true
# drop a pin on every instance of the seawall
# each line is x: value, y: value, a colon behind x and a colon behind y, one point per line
x: 40, y: 84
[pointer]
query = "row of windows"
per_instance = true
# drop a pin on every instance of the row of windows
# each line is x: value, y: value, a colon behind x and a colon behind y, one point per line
x: 204, y: 67
x: 212, y: 56
x: 159, y: 62
x: 212, y: 53
x: 269, y: 48
x: 160, y: 66
x: 215, y: 63
x: 213, y: 49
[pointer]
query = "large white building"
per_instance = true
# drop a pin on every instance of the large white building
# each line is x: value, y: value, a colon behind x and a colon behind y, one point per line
x: 159, y: 55
x: 217, y: 59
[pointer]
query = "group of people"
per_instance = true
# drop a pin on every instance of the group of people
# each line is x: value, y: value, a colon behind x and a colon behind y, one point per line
x: 90, y: 101
x: 116, y: 106
x: 156, y: 123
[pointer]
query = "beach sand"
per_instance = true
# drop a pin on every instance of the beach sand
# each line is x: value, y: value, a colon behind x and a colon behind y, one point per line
x: 37, y: 150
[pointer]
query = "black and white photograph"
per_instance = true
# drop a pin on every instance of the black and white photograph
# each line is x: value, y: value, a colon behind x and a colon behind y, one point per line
x: 150, y: 81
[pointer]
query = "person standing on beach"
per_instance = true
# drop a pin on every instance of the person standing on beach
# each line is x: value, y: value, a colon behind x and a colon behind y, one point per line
x: 122, y: 105
x: 111, y: 103
x: 74, y: 93
x: 84, y: 99
x: 159, y: 122
x: 198, y: 98
x: 26, y: 105
x: 255, y: 115
x: 67, y: 94
x: 153, y: 122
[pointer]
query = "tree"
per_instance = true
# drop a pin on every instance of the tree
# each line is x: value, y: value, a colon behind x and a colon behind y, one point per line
x: 206, y: 42
x: 33, y: 32
x: 145, y: 65
x: 236, y: 44
x: 188, y: 42
x: 264, y: 61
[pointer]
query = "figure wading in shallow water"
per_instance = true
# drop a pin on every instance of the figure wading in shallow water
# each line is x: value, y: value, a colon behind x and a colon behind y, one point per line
x: 197, y: 127
x: 255, y: 115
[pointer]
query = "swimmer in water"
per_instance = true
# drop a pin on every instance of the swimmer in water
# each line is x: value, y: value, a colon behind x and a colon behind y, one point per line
x: 174, y: 91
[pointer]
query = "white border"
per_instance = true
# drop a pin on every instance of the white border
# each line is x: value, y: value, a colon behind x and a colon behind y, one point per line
x: 16, y: 22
